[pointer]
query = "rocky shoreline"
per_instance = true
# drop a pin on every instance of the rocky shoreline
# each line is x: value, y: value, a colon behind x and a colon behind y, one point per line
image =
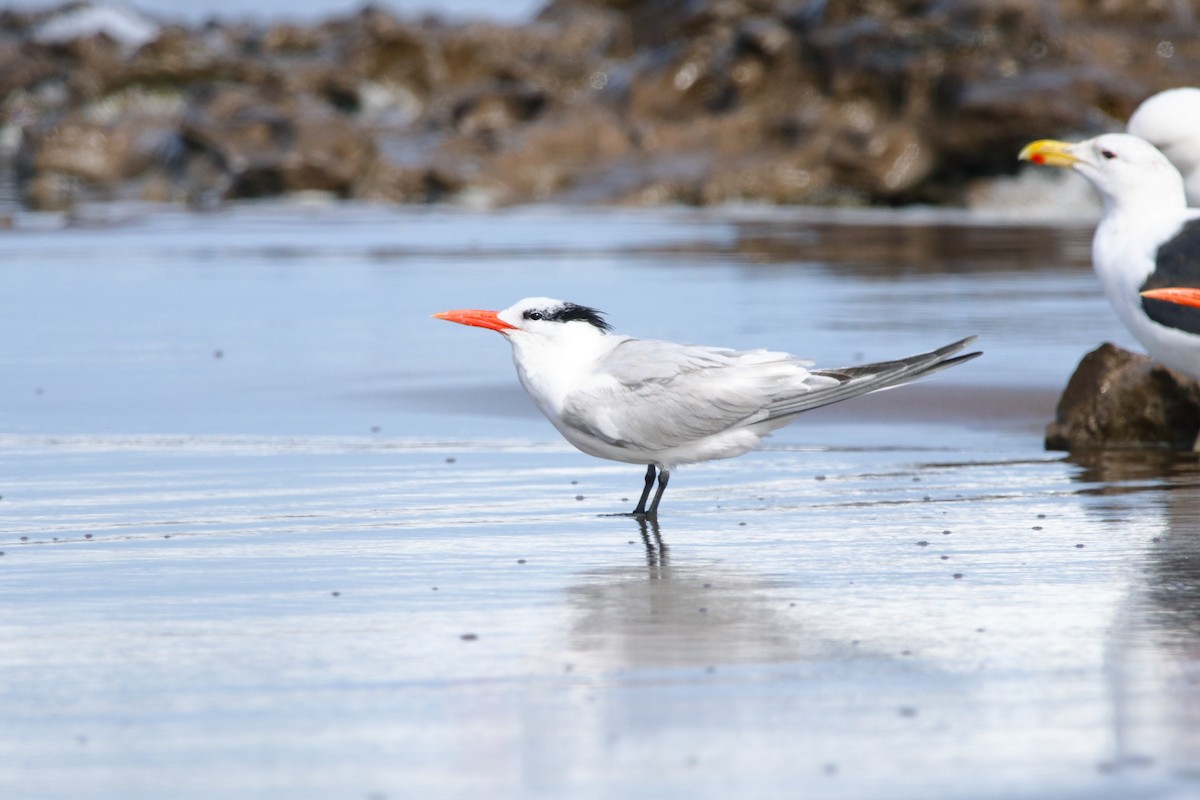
x: 676, y: 101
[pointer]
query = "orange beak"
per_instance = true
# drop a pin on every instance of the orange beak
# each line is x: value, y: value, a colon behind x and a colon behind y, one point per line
x: 1179, y: 295
x: 476, y: 319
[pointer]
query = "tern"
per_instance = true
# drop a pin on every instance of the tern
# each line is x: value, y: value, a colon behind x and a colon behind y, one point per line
x: 1147, y: 240
x: 663, y: 404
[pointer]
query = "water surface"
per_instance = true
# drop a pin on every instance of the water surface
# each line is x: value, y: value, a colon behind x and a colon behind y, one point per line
x: 269, y: 530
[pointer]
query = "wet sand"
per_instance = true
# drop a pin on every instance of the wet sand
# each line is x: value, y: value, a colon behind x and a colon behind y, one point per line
x: 343, y: 558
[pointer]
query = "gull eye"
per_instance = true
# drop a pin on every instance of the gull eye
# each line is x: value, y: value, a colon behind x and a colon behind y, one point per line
x: 1108, y: 154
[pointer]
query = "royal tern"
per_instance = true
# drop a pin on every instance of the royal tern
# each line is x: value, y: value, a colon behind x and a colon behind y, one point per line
x: 1147, y: 238
x: 664, y: 404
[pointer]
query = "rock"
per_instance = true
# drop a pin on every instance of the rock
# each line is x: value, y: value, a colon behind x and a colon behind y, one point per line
x: 487, y: 113
x: 95, y: 153
x: 51, y: 192
x: 993, y: 116
x: 23, y: 73
x: 82, y: 158
x: 328, y: 154
x: 696, y: 101
x: 1121, y: 399
x: 377, y: 47
x: 266, y: 143
x: 554, y: 155
x: 123, y: 26
x: 400, y: 184
x: 180, y: 57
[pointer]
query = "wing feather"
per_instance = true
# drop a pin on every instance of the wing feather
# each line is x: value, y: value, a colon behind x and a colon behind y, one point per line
x: 1177, y: 263
x: 658, y: 395
x: 854, y: 381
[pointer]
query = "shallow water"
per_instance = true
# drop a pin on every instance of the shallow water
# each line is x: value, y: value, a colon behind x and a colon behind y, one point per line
x: 271, y: 531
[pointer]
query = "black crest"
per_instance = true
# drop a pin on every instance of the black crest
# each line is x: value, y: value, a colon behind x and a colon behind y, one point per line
x: 570, y: 312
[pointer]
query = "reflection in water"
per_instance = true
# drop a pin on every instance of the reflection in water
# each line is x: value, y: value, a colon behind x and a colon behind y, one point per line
x: 896, y: 249
x: 1121, y: 471
x: 656, y: 548
x: 1154, y: 649
x: 665, y: 614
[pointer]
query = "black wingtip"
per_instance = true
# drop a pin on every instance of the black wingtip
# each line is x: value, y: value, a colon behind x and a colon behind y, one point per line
x: 947, y: 362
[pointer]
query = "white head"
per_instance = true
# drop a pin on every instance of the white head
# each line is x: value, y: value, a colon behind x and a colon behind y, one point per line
x: 543, y: 317
x: 1170, y: 121
x: 554, y: 343
x: 1127, y: 171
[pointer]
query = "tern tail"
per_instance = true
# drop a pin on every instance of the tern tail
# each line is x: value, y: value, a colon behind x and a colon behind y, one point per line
x: 867, y: 378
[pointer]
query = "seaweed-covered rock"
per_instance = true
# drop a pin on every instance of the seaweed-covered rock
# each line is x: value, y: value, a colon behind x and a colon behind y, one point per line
x: 695, y: 101
x: 268, y: 143
x: 1121, y: 399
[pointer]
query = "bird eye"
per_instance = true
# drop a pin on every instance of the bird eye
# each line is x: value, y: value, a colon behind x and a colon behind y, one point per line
x: 534, y: 315
x: 1108, y: 154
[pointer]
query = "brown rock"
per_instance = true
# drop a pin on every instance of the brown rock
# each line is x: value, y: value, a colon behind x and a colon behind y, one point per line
x: 23, y: 67
x: 379, y: 48
x: 1121, y: 399
x: 96, y: 153
x: 698, y: 101
x: 266, y: 143
x: 180, y: 56
x: 51, y: 191
x: 554, y: 154
x: 486, y: 113
x: 556, y: 57
x: 328, y: 154
x: 401, y: 184
x: 289, y: 38
x: 81, y: 158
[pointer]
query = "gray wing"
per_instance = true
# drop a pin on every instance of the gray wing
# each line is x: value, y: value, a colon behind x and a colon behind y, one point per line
x: 657, y: 395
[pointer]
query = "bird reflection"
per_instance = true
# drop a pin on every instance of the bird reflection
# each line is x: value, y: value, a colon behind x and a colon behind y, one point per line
x: 1154, y: 648
x: 656, y: 548
x: 1121, y: 471
x: 660, y: 614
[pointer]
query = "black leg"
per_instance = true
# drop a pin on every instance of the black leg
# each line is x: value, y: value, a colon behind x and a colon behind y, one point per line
x: 640, y: 508
x: 663, y: 477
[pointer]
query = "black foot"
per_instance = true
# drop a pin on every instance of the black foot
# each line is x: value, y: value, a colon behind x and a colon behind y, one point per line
x: 639, y: 511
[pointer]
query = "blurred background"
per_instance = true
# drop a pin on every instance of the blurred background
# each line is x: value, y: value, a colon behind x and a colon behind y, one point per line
x: 313, y: 10
x: 870, y: 102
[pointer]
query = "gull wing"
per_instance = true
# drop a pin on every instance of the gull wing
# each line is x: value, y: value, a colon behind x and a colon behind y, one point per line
x: 1176, y: 264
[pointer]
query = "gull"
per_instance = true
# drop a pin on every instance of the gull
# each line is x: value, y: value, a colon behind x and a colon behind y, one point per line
x: 1147, y: 239
x: 1170, y: 121
x: 663, y: 404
